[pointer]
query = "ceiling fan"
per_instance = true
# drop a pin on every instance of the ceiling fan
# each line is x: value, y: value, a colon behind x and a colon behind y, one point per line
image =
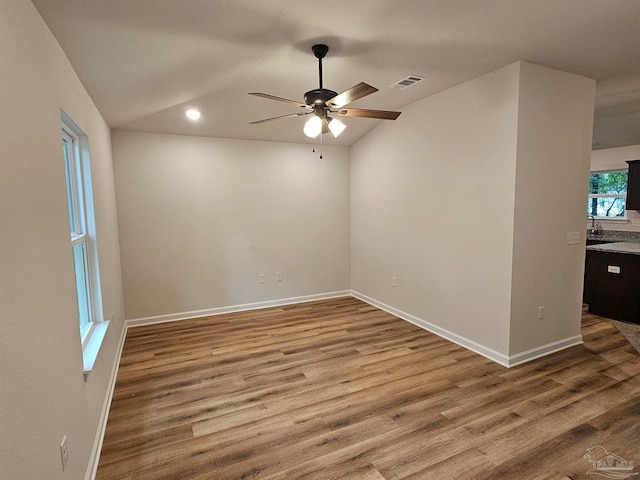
x: 322, y: 102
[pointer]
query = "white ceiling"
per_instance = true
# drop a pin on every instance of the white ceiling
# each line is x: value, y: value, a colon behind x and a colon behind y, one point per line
x: 144, y: 62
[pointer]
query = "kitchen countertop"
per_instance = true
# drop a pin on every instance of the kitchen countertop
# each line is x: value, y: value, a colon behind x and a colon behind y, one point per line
x: 617, y: 247
x: 615, y: 236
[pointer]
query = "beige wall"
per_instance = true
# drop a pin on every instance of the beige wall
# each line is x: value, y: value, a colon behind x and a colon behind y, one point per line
x: 43, y: 395
x: 615, y: 159
x: 201, y: 218
x: 450, y: 200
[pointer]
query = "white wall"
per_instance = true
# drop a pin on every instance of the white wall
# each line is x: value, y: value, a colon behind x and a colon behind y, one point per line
x: 445, y: 197
x: 555, y: 124
x: 615, y: 159
x: 43, y: 395
x: 432, y: 203
x: 201, y: 218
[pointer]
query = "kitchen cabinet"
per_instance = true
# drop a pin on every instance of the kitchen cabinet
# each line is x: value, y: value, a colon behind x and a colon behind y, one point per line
x: 633, y: 188
x: 612, y: 285
x: 591, y: 241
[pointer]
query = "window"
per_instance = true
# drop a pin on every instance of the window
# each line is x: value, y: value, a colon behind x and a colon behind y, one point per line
x: 81, y: 230
x: 607, y: 194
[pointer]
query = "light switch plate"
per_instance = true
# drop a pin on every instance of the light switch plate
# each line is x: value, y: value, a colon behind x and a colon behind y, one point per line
x: 573, y: 238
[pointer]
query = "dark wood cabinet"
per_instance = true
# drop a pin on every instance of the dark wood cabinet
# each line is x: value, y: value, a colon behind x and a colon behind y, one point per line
x: 633, y: 189
x: 591, y: 241
x: 610, y: 294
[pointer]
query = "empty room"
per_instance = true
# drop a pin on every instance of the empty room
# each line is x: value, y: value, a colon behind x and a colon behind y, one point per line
x: 287, y: 239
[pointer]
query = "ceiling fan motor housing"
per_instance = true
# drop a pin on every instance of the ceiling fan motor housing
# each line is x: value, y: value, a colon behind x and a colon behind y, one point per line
x: 318, y: 96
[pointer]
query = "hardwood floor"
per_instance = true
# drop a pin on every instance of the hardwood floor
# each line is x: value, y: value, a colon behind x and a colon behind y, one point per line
x: 339, y: 389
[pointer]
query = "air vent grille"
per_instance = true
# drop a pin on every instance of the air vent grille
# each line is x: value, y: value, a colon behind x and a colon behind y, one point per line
x: 407, y: 82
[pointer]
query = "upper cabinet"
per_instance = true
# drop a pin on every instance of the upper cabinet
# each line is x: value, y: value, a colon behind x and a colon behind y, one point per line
x: 633, y: 188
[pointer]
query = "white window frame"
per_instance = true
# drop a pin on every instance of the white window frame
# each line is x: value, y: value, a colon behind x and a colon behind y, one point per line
x: 623, y: 196
x: 78, y: 230
x: 82, y: 230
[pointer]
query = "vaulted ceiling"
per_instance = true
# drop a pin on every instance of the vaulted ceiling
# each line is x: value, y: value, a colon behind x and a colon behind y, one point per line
x: 144, y: 62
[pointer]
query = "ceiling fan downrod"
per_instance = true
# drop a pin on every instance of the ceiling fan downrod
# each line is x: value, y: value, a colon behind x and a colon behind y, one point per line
x: 317, y: 98
x: 320, y: 51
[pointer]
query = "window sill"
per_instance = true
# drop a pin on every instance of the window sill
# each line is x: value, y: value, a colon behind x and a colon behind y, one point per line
x: 612, y: 219
x: 92, y: 347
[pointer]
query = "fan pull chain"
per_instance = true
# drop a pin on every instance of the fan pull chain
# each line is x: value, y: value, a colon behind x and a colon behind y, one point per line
x: 313, y: 145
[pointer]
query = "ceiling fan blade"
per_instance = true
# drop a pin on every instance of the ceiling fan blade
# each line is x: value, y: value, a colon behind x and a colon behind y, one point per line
x: 354, y: 93
x: 359, y: 112
x: 279, y: 99
x: 278, y: 118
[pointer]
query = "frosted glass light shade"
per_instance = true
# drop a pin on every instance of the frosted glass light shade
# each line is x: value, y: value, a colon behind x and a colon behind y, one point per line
x: 313, y: 127
x: 336, y: 126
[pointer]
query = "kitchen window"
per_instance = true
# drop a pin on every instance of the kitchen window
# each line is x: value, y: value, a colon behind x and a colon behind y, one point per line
x: 608, y: 194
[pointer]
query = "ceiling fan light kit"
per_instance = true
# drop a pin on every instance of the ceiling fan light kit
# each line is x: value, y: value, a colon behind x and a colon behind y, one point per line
x: 313, y: 127
x: 321, y: 102
x: 336, y: 126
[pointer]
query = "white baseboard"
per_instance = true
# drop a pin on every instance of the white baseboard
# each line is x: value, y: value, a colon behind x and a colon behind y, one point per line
x: 441, y: 332
x: 500, y: 358
x: 172, y: 317
x: 94, y: 459
x: 543, y: 350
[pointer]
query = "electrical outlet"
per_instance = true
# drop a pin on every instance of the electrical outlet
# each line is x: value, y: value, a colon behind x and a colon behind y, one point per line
x: 64, y: 452
x: 278, y: 276
x: 263, y: 277
x: 394, y: 282
x: 540, y: 313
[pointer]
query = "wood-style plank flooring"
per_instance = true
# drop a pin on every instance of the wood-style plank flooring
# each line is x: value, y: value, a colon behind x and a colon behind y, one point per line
x: 339, y: 389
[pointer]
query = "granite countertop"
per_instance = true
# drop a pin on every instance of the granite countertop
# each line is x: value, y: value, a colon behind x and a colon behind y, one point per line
x: 617, y: 247
x: 615, y: 236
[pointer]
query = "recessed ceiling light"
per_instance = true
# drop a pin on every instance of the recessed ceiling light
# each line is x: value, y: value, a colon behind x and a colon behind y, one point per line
x: 192, y: 114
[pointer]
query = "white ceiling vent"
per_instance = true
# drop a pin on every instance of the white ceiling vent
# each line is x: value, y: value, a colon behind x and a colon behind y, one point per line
x: 407, y: 81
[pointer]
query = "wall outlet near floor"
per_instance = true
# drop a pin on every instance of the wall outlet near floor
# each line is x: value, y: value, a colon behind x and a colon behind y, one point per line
x: 64, y: 452
x: 540, y: 313
x: 263, y: 277
x: 394, y: 281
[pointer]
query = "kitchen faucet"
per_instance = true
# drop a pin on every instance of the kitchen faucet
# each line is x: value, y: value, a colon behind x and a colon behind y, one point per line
x: 594, y: 230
